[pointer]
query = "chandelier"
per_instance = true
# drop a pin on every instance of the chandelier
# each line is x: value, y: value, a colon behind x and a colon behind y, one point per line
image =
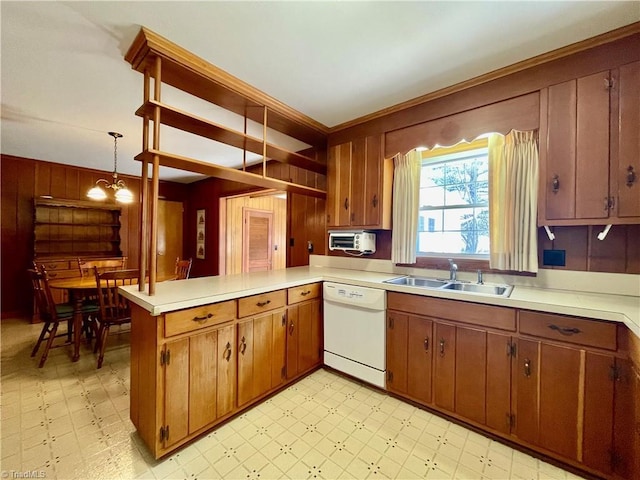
x: 122, y: 193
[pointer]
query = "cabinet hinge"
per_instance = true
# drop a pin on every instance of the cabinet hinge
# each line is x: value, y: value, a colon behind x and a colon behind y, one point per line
x: 616, y: 459
x: 511, y: 349
x: 391, y: 322
x: 389, y: 376
x: 511, y: 420
x: 284, y: 320
x: 614, y: 373
x: 283, y: 372
x: 164, y: 433
x: 608, y: 83
x: 162, y: 358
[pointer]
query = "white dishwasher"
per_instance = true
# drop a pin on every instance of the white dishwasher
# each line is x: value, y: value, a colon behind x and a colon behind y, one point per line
x: 354, y: 331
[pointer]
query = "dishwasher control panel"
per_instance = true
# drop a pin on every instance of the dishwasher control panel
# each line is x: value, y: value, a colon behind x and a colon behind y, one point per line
x: 364, y: 297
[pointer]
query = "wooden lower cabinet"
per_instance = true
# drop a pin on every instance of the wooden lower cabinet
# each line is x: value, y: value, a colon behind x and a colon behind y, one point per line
x: 304, y: 337
x: 553, y: 383
x: 261, y: 361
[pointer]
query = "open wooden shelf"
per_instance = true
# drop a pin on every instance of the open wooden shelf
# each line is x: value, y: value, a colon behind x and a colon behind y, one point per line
x: 187, y: 122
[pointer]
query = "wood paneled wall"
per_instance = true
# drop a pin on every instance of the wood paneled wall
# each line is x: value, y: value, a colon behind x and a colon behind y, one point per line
x: 23, y: 179
x: 234, y: 228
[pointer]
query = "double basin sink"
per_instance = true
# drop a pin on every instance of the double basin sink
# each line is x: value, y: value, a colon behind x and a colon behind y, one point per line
x: 456, y: 286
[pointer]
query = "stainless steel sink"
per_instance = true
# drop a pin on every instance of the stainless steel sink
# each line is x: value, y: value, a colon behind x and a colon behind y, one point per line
x: 499, y: 290
x: 455, y: 286
x: 417, y: 282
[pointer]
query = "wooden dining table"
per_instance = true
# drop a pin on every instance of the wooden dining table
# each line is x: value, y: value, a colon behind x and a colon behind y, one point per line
x: 80, y: 288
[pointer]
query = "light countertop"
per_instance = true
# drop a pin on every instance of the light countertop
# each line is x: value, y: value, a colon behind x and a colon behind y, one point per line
x: 180, y: 294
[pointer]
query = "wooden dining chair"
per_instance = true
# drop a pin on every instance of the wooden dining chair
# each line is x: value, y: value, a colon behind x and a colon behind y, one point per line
x: 114, y: 308
x: 50, y: 313
x: 183, y: 267
x: 104, y: 265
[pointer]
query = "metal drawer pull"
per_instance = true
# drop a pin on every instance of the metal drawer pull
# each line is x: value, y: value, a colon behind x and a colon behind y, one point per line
x: 304, y: 294
x: 527, y: 367
x: 262, y: 304
x: 442, y: 347
x: 426, y: 344
x: 631, y: 176
x: 202, y: 319
x: 227, y: 352
x: 555, y: 184
x: 564, y: 330
x: 291, y: 328
x: 243, y: 346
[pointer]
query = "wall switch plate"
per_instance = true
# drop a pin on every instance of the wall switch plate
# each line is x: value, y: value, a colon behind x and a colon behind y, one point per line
x: 556, y: 258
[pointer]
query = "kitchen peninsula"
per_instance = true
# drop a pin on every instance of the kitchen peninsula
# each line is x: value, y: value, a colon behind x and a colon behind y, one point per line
x: 207, y: 348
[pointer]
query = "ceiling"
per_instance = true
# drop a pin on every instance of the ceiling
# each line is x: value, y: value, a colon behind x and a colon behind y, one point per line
x: 65, y: 82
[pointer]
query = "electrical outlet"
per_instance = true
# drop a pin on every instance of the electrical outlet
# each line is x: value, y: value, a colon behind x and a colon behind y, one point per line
x: 556, y: 258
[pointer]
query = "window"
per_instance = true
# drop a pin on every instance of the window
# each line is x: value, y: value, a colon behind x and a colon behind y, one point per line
x: 454, y: 201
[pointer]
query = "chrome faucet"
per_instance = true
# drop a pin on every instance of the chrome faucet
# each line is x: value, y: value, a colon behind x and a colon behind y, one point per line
x: 480, y: 280
x: 453, y: 270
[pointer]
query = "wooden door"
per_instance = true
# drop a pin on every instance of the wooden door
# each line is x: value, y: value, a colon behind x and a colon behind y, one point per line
x: 170, y: 237
x: 339, y: 185
x: 245, y: 361
x: 176, y: 390
x: 444, y: 365
x: 293, y: 314
x: 278, y: 348
x: 597, y: 445
x: 226, y: 371
x: 309, y: 334
x: 559, y: 394
x: 203, y: 381
x: 419, y: 358
x: 498, y: 393
x: 625, y: 171
x: 471, y: 373
x: 559, y: 184
x: 257, y: 240
x: 525, y: 376
x: 397, y: 336
x: 592, y: 146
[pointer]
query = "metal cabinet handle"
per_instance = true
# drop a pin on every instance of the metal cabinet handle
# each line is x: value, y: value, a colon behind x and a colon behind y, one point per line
x: 374, y: 201
x: 442, y: 347
x: 346, y: 203
x: 555, y: 184
x: 426, y: 344
x: 304, y: 294
x: 564, y: 330
x: 631, y: 176
x: 607, y: 204
x: 203, y: 318
x: 291, y: 328
x: 227, y: 352
x: 527, y: 367
x: 262, y: 304
x: 243, y: 345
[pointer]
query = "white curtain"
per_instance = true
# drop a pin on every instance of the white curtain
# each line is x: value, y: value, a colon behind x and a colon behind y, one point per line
x: 513, y: 200
x: 406, y: 200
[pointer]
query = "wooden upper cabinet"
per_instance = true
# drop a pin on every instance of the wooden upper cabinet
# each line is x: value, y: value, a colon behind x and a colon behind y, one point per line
x: 589, y: 149
x: 359, y: 185
x: 625, y: 174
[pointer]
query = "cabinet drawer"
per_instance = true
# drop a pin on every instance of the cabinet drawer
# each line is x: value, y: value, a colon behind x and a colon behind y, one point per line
x: 302, y: 293
x: 248, y: 306
x: 53, y: 265
x: 569, y: 329
x: 195, y: 318
x: 57, y: 274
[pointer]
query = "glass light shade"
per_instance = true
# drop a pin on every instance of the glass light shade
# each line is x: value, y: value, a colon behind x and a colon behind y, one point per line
x: 124, y: 195
x: 96, y: 193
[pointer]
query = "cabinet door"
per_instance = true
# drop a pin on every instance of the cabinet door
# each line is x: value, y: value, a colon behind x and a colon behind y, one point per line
x: 525, y: 377
x: 358, y: 198
x: 498, y: 393
x: 278, y: 348
x: 203, y: 382
x: 559, y: 184
x: 176, y: 391
x: 420, y: 355
x: 338, y: 185
x: 626, y: 170
x: 245, y: 361
x: 226, y: 371
x: 592, y: 146
x: 309, y: 334
x: 397, y: 328
x: 598, y: 411
x: 373, y: 180
x: 471, y: 373
x: 292, y: 340
x: 262, y: 353
x: 444, y: 365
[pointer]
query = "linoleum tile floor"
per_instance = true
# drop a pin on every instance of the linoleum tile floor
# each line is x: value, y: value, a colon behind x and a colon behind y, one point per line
x: 71, y: 421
